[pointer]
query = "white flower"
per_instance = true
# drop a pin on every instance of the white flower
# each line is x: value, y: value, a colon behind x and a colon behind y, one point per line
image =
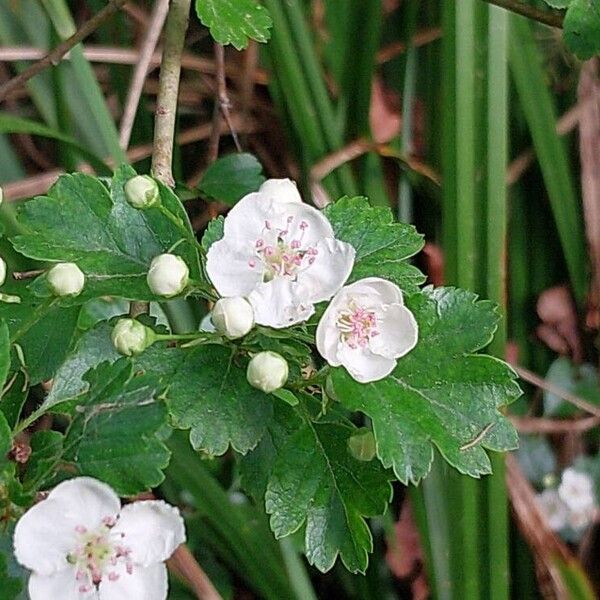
x: 233, y: 317
x: 279, y: 253
x: 142, y: 192
x: 81, y: 545
x: 553, y: 508
x: 366, y: 328
x: 168, y: 275
x: 2, y: 271
x: 576, y: 490
x: 580, y: 519
x: 66, y: 279
x: 267, y: 371
x: 131, y: 337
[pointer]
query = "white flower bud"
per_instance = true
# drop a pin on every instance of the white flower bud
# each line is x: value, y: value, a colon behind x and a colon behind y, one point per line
x: 1, y: 195
x: 267, y: 371
x: 168, y: 275
x: 66, y: 279
x: 142, y: 192
x: 233, y: 317
x: 130, y: 337
x: 2, y: 271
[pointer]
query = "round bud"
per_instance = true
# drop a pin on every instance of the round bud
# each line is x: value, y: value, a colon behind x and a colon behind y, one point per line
x: 233, y: 317
x: 2, y: 271
x: 142, y: 192
x: 362, y: 445
x: 168, y: 275
x: 130, y: 337
x: 267, y: 371
x: 66, y: 279
x: 1, y: 195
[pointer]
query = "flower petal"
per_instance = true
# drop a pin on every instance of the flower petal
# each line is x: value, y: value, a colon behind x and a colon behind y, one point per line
x: 280, y: 190
x: 363, y: 365
x: 332, y: 267
x: 143, y: 583
x: 328, y: 335
x: 61, y: 585
x: 277, y: 304
x: 228, y: 266
x: 246, y: 220
x: 398, y: 332
x: 152, y: 530
x: 382, y: 290
x: 45, y: 534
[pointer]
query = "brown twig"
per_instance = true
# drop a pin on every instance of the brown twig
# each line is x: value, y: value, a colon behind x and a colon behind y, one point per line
x: 544, y: 384
x: 159, y: 14
x: 525, y: 10
x: 19, y: 275
x: 184, y: 563
x: 548, y: 426
x: 166, y: 109
x: 421, y: 38
x: 222, y: 107
x: 54, y: 56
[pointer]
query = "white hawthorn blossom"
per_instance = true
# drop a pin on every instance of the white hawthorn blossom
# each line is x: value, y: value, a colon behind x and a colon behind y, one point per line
x: 80, y: 544
x: 279, y: 253
x: 366, y: 328
x: 555, y: 510
x: 576, y: 490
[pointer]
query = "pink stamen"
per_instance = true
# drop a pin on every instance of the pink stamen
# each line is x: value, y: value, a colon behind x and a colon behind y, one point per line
x: 267, y: 225
x: 303, y: 225
x: 80, y: 529
x: 251, y: 263
x: 112, y: 576
x: 295, y: 244
x: 259, y: 243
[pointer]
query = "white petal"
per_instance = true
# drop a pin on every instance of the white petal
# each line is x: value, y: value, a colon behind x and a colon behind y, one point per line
x: 280, y: 190
x: 153, y: 529
x: 61, y: 585
x: 228, y: 267
x: 86, y: 500
x: 246, y: 220
x: 277, y: 304
x: 45, y: 534
x: 363, y: 365
x: 332, y: 267
x: 398, y: 332
x: 383, y: 290
x: 302, y: 222
x: 328, y: 334
x: 143, y: 583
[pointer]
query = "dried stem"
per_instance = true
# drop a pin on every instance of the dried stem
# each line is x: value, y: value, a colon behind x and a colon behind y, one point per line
x: 54, y: 56
x: 222, y: 107
x: 542, y: 383
x: 184, y: 563
x: 159, y: 14
x: 547, y: 426
x: 520, y: 8
x: 166, y: 109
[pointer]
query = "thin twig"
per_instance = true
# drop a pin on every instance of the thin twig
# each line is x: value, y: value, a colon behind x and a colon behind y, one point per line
x: 519, y: 8
x: 166, y: 109
x: 159, y: 14
x: 222, y: 107
x: 54, y: 56
x: 544, y: 384
x: 184, y: 563
x: 542, y: 425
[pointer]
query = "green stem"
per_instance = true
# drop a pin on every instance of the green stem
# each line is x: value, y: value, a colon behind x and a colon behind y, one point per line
x: 299, y: 579
x: 520, y: 8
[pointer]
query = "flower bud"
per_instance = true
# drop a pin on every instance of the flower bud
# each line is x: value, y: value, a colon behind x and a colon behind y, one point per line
x: 362, y: 445
x: 2, y: 271
x: 66, y: 279
x: 130, y: 337
x: 1, y: 195
x: 168, y: 275
x: 233, y: 317
x: 267, y: 371
x: 142, y: 192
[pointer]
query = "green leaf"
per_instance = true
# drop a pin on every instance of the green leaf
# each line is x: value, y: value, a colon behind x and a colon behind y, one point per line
x: 581, y: 28
x: 82, y: 221
x: 570, y: 378
x: 14, y: 398
x: 12, y: 124
x: 232, y: 177
x: 440, y: 394
x: 4, y: 353
x: 10, y: 586
x: 13, y: 577
x: 209, y: 393
x: 214, y: 232
x: 315, y: 481
x: 5, y: 437
x: 560, y: 4
x: 46, y: 451
x: 382, y: 246
x: 234, y: 21
x: 117, y: 429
